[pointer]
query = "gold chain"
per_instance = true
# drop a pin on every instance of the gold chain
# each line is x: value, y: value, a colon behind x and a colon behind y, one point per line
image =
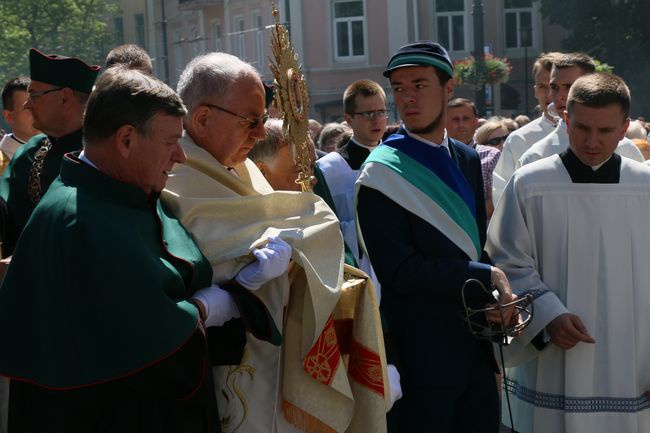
x: 34, y: 186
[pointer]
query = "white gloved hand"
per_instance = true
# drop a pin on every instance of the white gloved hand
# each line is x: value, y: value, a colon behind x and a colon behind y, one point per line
x: 272, y: 261
x: 394, y: 384
x: 218, y: 304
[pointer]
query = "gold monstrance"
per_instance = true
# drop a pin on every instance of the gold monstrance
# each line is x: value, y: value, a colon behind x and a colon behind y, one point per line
x: 291, y: 100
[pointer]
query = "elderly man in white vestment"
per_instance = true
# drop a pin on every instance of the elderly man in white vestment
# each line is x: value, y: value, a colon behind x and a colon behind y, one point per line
x: 572, y: 230
x: 567, y: 68
x: 227, y: 205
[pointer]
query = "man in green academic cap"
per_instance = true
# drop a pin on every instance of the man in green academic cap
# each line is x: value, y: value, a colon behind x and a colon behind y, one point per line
x: 57, y: 97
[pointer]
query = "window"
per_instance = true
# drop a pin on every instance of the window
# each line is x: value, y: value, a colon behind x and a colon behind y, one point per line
x: 216, y: 36
x: 451, y: 24
x: 178, y: 54
x: 118, y: 30
x: 259, y: 41
x: 138, y: 20
x: 349, y: 23
x: 240, y: 37
x: 519, y: 23
x: 195, y: 42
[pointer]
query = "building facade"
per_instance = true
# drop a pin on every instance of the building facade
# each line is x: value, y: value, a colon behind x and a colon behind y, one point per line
x: 339, y: 41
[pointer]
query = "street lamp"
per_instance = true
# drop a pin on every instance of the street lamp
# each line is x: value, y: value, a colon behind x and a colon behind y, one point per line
x: 165, y: 55
x: 525, y: 42
x: 477, y: 12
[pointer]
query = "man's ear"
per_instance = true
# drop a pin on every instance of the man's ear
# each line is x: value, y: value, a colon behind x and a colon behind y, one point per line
x: 9, y: 116
x: 199, y: 121
x: 449, y: 88
x: 347, y: 118
x: 567, y: 118
x: 624, y: 127
x: 126, y: 138
x: 68, y: 94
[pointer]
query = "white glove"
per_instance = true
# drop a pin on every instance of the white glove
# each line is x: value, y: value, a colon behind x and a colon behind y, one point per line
x: 272, y: 261
x: 218, y: 304
x: 394, y: 384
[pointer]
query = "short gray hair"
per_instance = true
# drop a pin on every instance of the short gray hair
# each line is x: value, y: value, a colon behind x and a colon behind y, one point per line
x: 266, y: 149
x: 636, y: 130
x: 211, y: 75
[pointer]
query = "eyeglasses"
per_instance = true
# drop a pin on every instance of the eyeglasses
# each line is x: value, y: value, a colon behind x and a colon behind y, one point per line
x: 252, y: 123
x: 371, y: 115
x: 496, y: 140
x: 33, y: 95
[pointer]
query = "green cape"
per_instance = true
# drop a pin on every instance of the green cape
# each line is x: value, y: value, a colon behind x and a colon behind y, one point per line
x: 97, y: 285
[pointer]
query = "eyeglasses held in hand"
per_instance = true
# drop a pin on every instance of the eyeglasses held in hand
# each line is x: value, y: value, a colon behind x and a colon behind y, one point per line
x: 252, y: 123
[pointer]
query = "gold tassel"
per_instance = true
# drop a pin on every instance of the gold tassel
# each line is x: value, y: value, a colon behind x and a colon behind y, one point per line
x: 304, y: 421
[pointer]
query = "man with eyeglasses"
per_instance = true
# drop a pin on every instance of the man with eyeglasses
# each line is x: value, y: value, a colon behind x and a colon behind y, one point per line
x: 57, y: 97
x: 364, y: 105
x: 230, y: 209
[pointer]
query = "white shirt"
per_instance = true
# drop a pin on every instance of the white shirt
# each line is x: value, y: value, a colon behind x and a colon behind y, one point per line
x: 445, y: 140
x: 10, y: 144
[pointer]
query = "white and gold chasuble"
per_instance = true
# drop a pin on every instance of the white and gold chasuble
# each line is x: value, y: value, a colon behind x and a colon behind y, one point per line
x: 329, y: 375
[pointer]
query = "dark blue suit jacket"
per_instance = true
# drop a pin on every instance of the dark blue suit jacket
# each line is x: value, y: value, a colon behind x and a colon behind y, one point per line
x: 421, y: 273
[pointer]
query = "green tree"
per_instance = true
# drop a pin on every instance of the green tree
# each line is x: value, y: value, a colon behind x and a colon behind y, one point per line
x: 76, y: 28
x: 615, y: 32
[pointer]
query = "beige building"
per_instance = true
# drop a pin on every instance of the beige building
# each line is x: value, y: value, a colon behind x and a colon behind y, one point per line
x: 131, y: 23
x: 340, y: 41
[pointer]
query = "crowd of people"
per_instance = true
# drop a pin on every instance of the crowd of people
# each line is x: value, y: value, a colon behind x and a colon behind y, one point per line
x: 162, y: 272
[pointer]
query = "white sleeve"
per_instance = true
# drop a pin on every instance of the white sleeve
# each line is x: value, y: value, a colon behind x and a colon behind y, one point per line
x: 507, y: 161
x: 628, y: 149
x: 510, y: 244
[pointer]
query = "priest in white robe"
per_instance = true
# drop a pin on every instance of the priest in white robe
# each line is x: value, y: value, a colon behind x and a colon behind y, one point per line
x: 558, y: 141
x: 572, y: 230
x: 521, y: 139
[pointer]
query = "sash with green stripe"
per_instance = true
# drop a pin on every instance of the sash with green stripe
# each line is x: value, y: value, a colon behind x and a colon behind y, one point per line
x: 435, y: 188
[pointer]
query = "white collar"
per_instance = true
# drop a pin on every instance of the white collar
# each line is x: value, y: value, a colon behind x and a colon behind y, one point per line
x: 84, y: 158
x: 550, y: 120
x: 445, y: 139
x: 596, y: 167
x: 370, y: 148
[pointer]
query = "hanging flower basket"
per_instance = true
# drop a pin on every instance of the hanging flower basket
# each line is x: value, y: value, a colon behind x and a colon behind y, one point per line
x: 603, y: 67
x: 495, y: 70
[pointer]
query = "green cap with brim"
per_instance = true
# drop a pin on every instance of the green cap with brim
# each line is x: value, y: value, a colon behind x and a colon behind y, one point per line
x: 421, y: 53
x: 62, y: 71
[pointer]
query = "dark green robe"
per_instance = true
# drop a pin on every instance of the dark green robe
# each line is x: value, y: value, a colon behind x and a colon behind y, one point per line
x: 96, y: 333
x: 15, y: 179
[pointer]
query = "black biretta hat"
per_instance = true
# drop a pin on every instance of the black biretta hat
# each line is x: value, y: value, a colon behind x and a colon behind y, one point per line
x: 62, y: 71
x: 421, y: 53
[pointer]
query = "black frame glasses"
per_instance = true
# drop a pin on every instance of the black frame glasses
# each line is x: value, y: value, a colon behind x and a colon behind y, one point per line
x: 33, y: 95
x: 496, y: 140
x: 252, y: 123
x: 373, y: 114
